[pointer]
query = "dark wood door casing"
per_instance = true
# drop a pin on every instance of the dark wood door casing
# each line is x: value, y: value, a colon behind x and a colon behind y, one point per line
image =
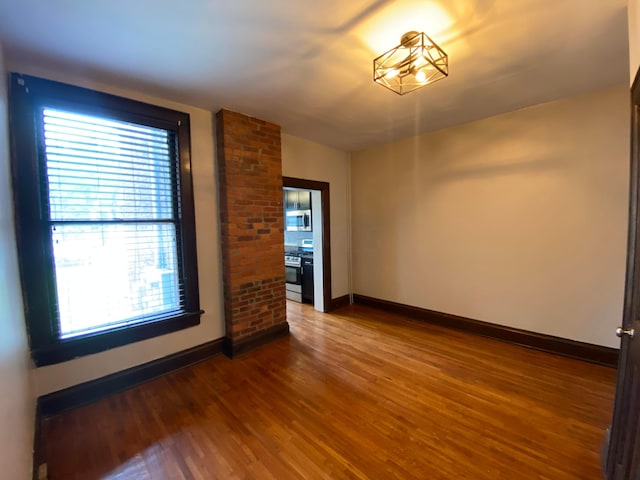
x: 323, y: 187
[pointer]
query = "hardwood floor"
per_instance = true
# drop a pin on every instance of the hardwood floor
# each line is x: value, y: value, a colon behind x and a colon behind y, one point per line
x: 354, y: 394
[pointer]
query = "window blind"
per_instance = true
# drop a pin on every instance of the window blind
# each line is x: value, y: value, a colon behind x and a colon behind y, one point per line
x: 113, y: 220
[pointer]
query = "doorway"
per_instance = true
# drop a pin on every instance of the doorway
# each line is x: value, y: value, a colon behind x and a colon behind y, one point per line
x: 321, y: 234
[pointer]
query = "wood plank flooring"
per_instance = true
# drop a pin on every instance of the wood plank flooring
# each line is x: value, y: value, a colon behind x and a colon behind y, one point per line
x: 358, y: 394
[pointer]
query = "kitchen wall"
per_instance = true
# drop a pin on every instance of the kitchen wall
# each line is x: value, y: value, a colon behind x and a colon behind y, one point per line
x: 519, y: 219
x: 634, y: 38
x: 295, y: 238
x: 17, y: 401
x: 62, y: 375
x: 313, y: 161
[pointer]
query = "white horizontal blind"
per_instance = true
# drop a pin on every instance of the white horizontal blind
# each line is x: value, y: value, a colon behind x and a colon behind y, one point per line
x: 112, y: 221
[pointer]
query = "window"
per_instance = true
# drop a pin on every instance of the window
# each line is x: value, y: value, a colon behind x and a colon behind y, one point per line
x: 104, y: 218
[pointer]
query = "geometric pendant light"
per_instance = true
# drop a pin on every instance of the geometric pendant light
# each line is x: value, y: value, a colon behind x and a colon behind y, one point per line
x: 416, y: 62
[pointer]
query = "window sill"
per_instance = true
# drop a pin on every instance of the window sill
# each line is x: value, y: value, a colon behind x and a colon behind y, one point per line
x: 81, y: 346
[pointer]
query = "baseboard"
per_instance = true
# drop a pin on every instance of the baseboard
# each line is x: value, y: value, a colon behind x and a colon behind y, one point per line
x: 232, y: 349
x: 339, y: 302
x: 569, y: 348
x: 93, y: 390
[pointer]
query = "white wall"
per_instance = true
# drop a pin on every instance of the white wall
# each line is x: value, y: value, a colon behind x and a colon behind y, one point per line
x: 634, y: 38
x: 62, y: 375
x: 518, y: 219
x: 17, y: 401
x: 295, y: 238
x: 313, y: 161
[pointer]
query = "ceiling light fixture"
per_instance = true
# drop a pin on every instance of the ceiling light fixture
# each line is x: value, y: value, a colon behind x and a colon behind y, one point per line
x: 416, y: 62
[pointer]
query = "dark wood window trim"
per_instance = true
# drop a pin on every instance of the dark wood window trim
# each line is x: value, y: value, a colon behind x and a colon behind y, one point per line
x: 27, y: 95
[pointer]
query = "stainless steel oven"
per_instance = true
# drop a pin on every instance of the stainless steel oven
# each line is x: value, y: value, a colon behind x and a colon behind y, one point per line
x: 293, y: 273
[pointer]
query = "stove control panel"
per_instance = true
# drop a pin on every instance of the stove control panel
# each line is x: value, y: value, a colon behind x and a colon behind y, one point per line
x: 292, y: 261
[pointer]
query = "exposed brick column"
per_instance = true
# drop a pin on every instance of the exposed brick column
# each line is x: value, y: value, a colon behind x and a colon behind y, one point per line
x: 252, y: 230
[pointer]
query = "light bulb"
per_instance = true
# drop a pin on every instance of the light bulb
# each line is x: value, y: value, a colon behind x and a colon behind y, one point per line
x: 420, y: 76
x: 391, y: 73
x: 419, y: 61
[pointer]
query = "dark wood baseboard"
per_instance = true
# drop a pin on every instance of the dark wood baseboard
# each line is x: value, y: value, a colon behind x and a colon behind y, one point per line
x: 339, y: 302
x: 93, y: 390
x: 569, y: 348
x: 232, y: 349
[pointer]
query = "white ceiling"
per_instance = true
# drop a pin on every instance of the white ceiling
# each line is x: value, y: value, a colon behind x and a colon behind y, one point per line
x: 307, y: 65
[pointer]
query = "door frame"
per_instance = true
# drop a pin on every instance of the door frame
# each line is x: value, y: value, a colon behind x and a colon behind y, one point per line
x: 323, y: 187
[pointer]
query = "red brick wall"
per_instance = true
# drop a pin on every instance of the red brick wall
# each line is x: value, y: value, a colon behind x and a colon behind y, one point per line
x: 252, y: 225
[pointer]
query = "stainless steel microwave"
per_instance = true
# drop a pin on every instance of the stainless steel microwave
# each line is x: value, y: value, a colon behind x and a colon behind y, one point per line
x: 298, y: 221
